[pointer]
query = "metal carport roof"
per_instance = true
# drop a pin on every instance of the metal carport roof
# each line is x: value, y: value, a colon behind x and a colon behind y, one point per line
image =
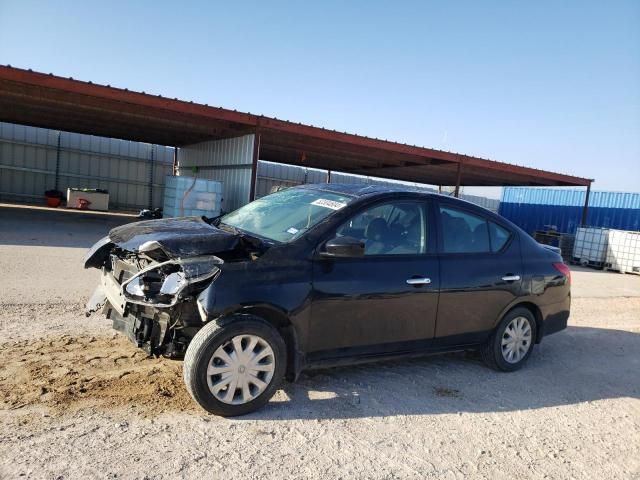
x: 49, y: 101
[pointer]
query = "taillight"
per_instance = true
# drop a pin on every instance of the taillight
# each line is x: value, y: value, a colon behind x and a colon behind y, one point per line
x: 564, y: 269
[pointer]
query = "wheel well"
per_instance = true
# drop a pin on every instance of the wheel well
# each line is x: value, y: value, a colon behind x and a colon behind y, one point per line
x: 537, y: 314
x: 281, y: 323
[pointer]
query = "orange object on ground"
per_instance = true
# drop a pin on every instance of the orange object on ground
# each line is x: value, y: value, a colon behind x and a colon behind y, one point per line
x: 53, y: 202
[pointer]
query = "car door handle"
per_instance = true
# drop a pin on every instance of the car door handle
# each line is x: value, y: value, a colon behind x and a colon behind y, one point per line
x: 418, y: 281
x: 511, y: 278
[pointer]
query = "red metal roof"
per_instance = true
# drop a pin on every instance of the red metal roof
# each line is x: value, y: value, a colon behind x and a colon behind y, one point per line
x: 46, y: 100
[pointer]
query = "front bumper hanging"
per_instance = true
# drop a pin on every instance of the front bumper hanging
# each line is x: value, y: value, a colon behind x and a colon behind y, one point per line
x: 146, y: 327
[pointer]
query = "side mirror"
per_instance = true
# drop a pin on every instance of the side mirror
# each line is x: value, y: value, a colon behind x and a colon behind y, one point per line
x: 343, y: 247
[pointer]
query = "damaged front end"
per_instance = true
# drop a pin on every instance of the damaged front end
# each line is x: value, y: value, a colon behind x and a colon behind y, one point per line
x: 152, y: 274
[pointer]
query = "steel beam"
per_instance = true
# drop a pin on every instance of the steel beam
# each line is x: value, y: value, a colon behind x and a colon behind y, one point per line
x: 57, y: 181
x: 458, y: 178
x: 151, y: 161
x: 585, y: 208
x: 254, y: 165
x: 174, y: 170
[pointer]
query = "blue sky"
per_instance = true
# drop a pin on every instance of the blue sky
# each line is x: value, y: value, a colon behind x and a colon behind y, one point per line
x: 548, y: 84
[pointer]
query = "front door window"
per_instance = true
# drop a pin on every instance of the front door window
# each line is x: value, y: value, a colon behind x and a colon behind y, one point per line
x: 394, y: 228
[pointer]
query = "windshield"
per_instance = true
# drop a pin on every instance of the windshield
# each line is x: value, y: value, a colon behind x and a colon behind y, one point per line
x: 284, y: 216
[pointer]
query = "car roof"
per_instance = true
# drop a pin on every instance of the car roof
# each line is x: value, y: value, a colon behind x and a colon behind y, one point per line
x: 360, y: 190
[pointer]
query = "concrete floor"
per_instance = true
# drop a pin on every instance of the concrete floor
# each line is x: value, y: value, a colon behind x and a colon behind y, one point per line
x: 43, y: 248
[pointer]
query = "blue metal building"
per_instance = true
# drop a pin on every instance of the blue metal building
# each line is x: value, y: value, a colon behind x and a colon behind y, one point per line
x: 536, y: 208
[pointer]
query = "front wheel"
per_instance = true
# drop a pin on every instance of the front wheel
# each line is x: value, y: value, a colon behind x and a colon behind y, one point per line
x: 234, y: 366
x: 512, y: 341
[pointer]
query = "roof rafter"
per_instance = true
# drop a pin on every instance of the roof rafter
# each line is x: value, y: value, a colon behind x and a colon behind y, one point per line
x: 49, y: 101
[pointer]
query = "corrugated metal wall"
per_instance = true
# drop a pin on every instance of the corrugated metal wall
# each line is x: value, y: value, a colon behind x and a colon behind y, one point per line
x: 28, y: 158
x: 570, y: 197
x: 535, y: 208
x: 271, y: 175
x: 227, y: 161
x: 489, y: 203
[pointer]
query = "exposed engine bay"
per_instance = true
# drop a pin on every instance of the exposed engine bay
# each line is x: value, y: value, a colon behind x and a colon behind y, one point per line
x: 151, y: 279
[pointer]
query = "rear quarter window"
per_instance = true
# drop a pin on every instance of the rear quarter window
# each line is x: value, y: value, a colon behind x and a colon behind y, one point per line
x: 499, y: 236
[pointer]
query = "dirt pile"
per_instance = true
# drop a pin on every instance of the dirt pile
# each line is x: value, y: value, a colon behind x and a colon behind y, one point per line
x: 70, y: 373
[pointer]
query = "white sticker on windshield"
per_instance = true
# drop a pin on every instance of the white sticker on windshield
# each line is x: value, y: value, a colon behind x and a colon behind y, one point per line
x: 293, y: 231
x: 333, y: 205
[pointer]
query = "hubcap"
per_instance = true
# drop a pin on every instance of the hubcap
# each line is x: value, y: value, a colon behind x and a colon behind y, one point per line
x: 516, y: 340
x: 241, y: 369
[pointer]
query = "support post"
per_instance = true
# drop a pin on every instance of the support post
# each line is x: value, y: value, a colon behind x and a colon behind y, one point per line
x: 175, y: 161
x: 57, y: 177
x: 439, y: 188
x: 254, y: 165
x: 585, y: 208
x: 153, y: 148
x: 458, y: 177
x: 328, y: 176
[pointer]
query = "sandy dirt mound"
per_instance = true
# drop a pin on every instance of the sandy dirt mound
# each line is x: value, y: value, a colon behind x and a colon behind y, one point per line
x: 71, y: 373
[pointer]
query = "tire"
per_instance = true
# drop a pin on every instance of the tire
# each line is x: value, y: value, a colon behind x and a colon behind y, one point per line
x: 230, y: 335
x: 496, y: 356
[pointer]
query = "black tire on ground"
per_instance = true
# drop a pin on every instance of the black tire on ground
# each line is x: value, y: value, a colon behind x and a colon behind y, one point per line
x: 492, y: 350
x: 200, y: 352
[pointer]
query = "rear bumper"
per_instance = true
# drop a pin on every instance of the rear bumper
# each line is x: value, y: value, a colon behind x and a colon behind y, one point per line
x: 554, y: 318
x: 555, y: 323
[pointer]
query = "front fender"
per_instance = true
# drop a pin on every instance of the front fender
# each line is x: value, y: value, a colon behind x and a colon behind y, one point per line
x: 98, y: 253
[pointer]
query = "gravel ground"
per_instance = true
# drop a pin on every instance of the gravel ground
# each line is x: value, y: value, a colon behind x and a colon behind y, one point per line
x: 77, y: 401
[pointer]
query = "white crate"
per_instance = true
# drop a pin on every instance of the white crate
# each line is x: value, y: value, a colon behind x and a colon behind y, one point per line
x: 591, y: 245
x: 97, y: 200
x: 623, y: 251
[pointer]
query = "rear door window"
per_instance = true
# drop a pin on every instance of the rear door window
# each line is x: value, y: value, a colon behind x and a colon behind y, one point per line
x: 463, y: 232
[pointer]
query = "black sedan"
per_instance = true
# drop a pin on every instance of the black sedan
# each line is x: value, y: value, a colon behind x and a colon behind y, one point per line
x: 324, y: 275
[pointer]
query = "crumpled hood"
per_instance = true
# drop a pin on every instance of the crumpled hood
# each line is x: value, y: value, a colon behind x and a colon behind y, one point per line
x: 178, y: 237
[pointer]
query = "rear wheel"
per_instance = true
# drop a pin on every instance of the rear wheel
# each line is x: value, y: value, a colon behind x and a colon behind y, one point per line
x: 511, y: 343
x: 235, y: 365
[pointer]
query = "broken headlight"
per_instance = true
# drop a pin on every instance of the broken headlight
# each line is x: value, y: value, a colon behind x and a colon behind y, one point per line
x: 162, y: 284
